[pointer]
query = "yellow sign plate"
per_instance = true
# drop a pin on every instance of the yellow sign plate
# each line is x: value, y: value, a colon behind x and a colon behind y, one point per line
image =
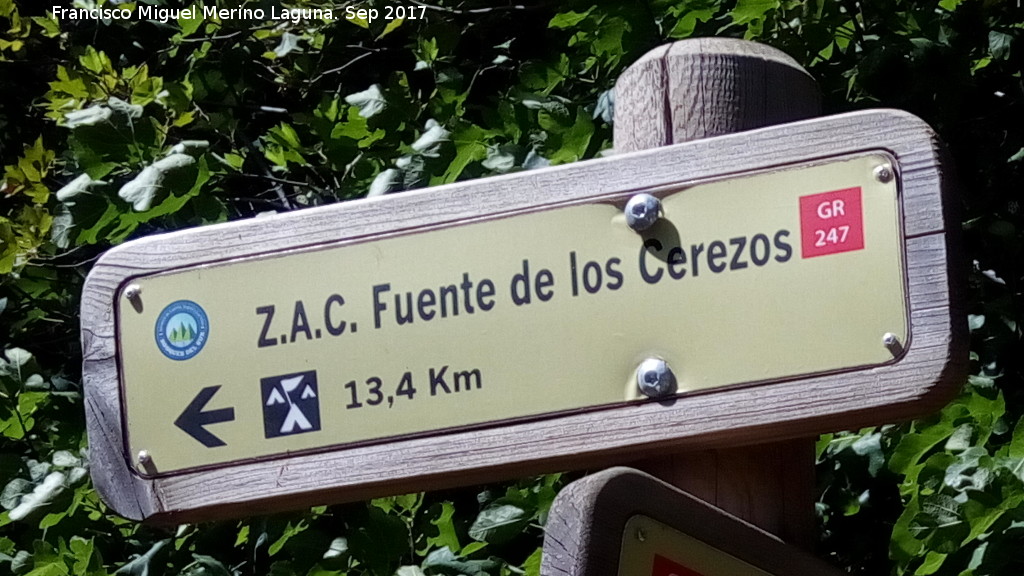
x: 748, y: 280
x: 650, y: 548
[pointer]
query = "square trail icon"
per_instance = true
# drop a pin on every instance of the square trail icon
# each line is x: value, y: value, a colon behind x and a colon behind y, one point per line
x: 291, y: 404
x: 665, y: 567
x: 831, y: 222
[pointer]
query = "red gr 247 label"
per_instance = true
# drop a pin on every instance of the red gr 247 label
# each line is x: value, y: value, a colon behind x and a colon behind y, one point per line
x: 831, y: 222
x: 665, y: 567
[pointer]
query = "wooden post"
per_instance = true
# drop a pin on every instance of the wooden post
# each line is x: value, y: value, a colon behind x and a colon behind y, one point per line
x: 697, y: 89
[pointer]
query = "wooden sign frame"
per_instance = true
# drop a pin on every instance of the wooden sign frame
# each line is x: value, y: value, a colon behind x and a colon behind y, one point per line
x: 586, y: 528
x: 931, y: 368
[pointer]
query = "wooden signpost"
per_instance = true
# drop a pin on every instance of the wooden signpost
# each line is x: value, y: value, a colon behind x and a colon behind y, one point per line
x: 626, y: 523
x: 747, y: 288
x: 700, y: 88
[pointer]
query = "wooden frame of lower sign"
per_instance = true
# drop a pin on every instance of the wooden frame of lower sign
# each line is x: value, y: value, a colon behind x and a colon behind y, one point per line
x: 585, y: 532
x: 931, y: 369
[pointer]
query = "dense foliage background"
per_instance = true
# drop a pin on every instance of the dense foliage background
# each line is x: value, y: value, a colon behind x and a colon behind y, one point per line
x: 111, y: 130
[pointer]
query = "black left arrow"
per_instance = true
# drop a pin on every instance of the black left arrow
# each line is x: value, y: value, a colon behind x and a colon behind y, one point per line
x: 194, y: 420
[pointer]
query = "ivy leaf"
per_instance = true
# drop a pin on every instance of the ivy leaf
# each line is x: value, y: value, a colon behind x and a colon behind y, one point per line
x: 385, y: 182
x: 206, y: 566
x: 912, y: 447
x: 90, y: 116
x: 140, y: 565
x: 79, y: 185
x: 337, y: 549
x: 968, y: 473
x: 370, y: 102
x: 870, y: 445
x: 568, y: 19
x: 410, y: 571
x: 431, y: 140
x: 379, y: 541
x: 500, y: 159
x: 40, y: 497
x: 193, y: 148
x: 391, y: 27
x: 999, y: 44
x: 747, y: 11
x: 444, y: 561
x: 150, y: 185
x: 446, y: 535
x: 498, y: 523
x: 961, y: 438
x: 123, y: 110
x: 289, y: 42
x: 12, y: 493
x: 531, y: 566
x: 605, y: 108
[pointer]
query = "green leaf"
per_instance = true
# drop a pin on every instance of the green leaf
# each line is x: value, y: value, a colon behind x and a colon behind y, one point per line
x: 54, y: 569
x: 747, y: 11
x: 961, y: 438
x: 40, y: 497
x: 932, y: 562
x: 391, y: 27
x: 498, y: 523
x: 203, y: 565
x: 13, y: 491
x: 912, y: 447
x: 999, y: 44
x: 152, y: 184
x: 870, y: 445
x: 370, y: 102
x: 410, y: 571
x: 446, y: 534
x: 444, y: 561
x: 337, y: 549
x: 289, y: 42
x: 139, y: 566
x: 687, y: 24
x: 91, y: 116
x: 290, y: 531
x: 190, y: 26
x: 379, y: 541
x: 567, y: 20
x: 531, y: 566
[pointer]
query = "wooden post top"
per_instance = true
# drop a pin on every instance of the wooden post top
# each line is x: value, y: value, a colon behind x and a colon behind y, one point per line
x: 706, y: 87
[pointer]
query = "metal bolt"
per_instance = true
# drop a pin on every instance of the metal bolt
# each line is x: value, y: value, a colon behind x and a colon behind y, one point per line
x: 641, y: 534
x: 892, y: 343
x: 884, y: 173
x: 642, y: 211
x: 655, y: 379
x: 146, y: 461
x: 134, y: 295
x: 133, y: 292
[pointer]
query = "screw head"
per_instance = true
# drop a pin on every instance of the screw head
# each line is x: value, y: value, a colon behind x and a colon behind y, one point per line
x: 133, y: 292
x: 655, y: 379
x: 884, y: 173
x: 145, y: 460
x: 642, y: 211
x: 892, y: 343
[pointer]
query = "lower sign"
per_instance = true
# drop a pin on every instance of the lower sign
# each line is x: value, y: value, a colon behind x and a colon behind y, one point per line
x: 650, y: 548
x: 796, y: 282
x: 621, y: 521
x: 745, y: 280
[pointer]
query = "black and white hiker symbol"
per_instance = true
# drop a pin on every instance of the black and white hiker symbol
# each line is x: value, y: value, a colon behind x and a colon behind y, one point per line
x: 291, y: 404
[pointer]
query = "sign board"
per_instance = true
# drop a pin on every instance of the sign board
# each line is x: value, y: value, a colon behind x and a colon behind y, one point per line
x: 364, y: 348
x: 625, y: 522
x: 447, y: 328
